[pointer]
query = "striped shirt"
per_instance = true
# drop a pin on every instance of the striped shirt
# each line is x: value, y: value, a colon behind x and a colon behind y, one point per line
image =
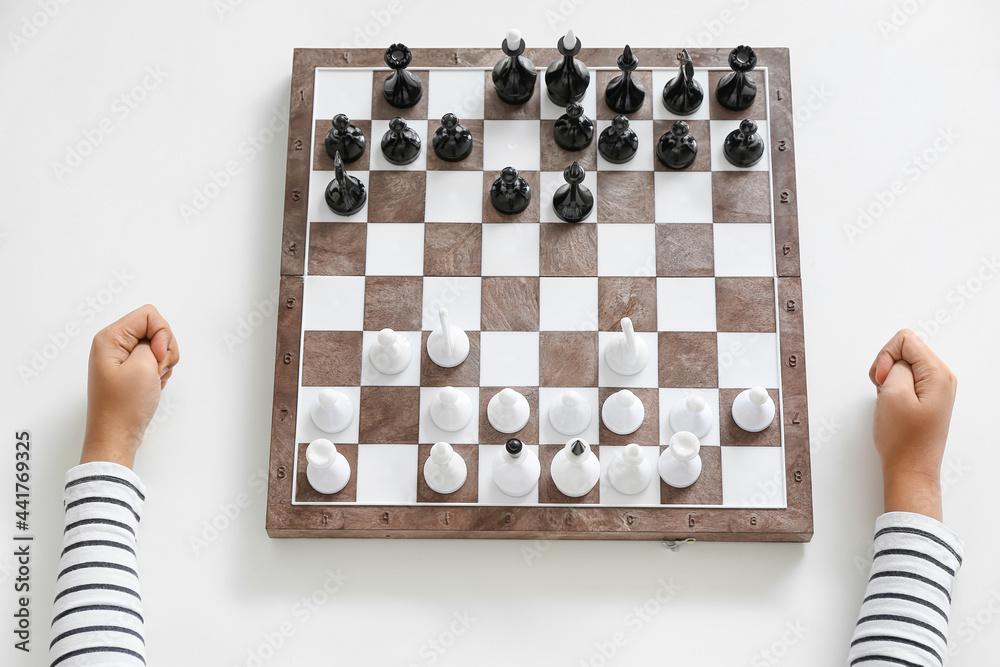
x: 97, y: 615
x: 904, y: 616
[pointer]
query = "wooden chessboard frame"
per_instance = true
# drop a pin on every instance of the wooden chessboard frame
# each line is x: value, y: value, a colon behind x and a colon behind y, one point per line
x: 794, y: 523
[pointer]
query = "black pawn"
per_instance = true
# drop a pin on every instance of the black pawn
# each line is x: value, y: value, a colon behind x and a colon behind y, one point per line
x: 618, y: 143
x: 736, y: 91
x: 573, y: 202
x: 514, y: 447
x: 683, y: 95
x: 510, y: 193
x: 515, y: 75
x: 400, y: 144
x: 573, y: 131
x: 345, y: 139
x: 577, y: 447
x: 401, y: 88
x: 452, y: 141
x: 624, y: 94
x: 567, y: 79
x: 744, y: 147
x: 677, y: 149
x: 345, y: 195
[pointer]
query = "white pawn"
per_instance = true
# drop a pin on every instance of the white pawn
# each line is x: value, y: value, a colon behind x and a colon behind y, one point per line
x: 516, y: 469
x: 693, y: 414
x: 390, y: 353
x: 630, y: 471
x: 623, y: 412
x: 575, y: 469
x: 680, y: 464
x: 327, y: 469
x: 451, y: 409
x: 571, y: 415
x: 332, y: 412
x: 753, y: 410
x: 626, y: 353
x: 508, y: 411
x: 444, y: 470
x: 447, y: 344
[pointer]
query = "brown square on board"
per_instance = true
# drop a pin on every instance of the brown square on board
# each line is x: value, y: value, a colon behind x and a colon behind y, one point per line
x: 741, y: 196
x: 497, y: 109
x: 382, y: 110
x: 556, y: 158
x: 757, y: 110
x: 467, y: 493
x: 644, y: 77
x: 322, y: 160
x: 490, y: 436
x: 331, y: 359
x: 547, y: 491
x: 568, y: 358
x: 707, y: 490
x: 453, y: 249
x: 688, y: 359
x: 630, y: 297
x: 337, y: 248
x: 701, y: 131
x: 744, y: 304
x: 394, y: 302
x: 466, y: 374
x: 389, y: 415
x: 731, y: 434
x: 304, y: 493
x: 474, y: 162
x: 396, y: 196
x: 649, y: 432
x: 529, y: 214
x: 568, y: 249
x: 625, y: 196
x: 685, y: 250
x: 509, y: 303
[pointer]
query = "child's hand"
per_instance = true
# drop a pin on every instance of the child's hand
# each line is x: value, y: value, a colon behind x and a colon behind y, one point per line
x: 916, y: 392
x: 130, y: 362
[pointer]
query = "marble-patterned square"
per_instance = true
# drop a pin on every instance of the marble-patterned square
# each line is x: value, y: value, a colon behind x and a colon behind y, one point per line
x: 395, y: 249
x: 683, y: 196
x: 686, y: 304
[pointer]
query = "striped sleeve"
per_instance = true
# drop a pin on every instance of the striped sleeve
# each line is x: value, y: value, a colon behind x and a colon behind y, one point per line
x: 97, y: 615
x: 904, y: 616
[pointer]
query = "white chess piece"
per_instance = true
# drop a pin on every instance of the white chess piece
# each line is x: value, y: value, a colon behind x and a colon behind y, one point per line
x: 623, y: 412
x: 447, y: 345
x: 508, y: 411
x: 327, y: 470
x: 516, y: 469
x: 332, y: 412
x: 575, y: 469
x: 390, y: 353
x: 626, y: 352
x: 571, y: 415
x: 445, y: 470
x: 680, y: 465
x: 753, y: 409
x: 451, y: 409
x: 514, y: 38
x: 630, y: 471
x: 692, y: 414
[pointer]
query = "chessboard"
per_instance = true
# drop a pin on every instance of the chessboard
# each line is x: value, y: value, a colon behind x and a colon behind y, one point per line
x: 703, y: 260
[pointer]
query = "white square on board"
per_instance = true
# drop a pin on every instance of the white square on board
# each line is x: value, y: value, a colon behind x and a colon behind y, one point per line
x: 489, y: 492
x: 508, y: 358
x: 511, y: 143
x: 661, y: 77
x: 743, y: 249
x: 395, y: 249
x: 378, y: 161
x: 549, y: 396
x: 683, y: 196
x: 429, y: 431
x: 333, y: 303
x: 625, y: 249
x: 454, y: 196
x: 670, y: 396
x: 567, y: 304
x: 720, y: 129
x: 318, y: 209
x: 748, y: 360
x: 329, y: 98
x: 649, y: 376
x: 387, y: 474
x: 685, y: 304
x: 305, y: 428
x: 461, y: 295
x: 510, y: 249
x: 460, y: 91
x: 550, y: 182
x: 753, y: 477
x: 551, y: 111
x: 611, y: 496
x: 644, y: 156
x: 409, y: 376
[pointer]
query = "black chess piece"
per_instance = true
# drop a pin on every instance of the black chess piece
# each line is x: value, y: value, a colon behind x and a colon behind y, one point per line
x: 736, y: 91
x: 513, y: 447
x: 573, y: 131
x: 573, y: 202
x: 618, y: 143
x: 744, y: 147
x: 400, y: 144
x: 515, y: 75
x: 345, y: 195
x: 683, y: 95
x: 677, y: 149
x: 567, y: 79
x: 345, y: 138
x: 510, y: 193
x: 452, y: 141
x: 402, y: 89
x: 624, y: 94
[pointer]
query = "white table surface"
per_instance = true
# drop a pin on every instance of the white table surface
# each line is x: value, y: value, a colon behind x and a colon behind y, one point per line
x: 868, y: 103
